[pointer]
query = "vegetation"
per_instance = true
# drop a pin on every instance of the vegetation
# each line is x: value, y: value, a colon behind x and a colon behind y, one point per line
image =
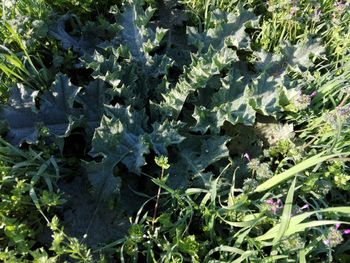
x: 174, y: 131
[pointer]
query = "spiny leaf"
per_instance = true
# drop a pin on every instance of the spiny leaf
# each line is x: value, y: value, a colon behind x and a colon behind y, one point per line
x: 101, y: 178
x: 61, y: 98
x: 164, y: 135
x: 134, y: 121
x: 139, y: 39
x: 200, y: 153
x: 20, y: 115
x: 196, y: 153
x: 230, y: 103
x: 195, y: 76
x: 86, y: 41
x: 131, y: 68
x: 296, y: 56
x: 56, y: 111
x: 93, y: 98
x: 214, y: 54
x: 227, y: 29
x: 106, y: 66
x: 264, y: 96
x: 117, y: 144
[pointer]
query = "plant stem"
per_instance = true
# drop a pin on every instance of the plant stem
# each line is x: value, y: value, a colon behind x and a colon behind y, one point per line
x: 157, y: 201
x: 310, y: 142
x: 344, y: 100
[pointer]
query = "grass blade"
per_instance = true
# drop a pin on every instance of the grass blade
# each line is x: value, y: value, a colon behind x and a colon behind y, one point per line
x: 279, y: 178
x: 286, y: 214
x: 296, y: 220
x: 301, y: 227
x: 302, y: 256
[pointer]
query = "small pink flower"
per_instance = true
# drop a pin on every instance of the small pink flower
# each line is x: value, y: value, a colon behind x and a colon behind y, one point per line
x: 306, y: 206
x: 246, y: 155
x: 274, y: 206
x: 270, y: 201
x: 313, y: 94
x: 346, y: 231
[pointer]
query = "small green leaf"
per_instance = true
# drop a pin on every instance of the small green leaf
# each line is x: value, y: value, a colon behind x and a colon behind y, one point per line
x: 162, y: 162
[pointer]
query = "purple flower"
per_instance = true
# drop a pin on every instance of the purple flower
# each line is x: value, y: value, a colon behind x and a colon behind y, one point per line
x: 339, y: 5
x: 246, y: 155
x: 273, y: 206
x: 316, y: 15
x: 269, y: 201
x: 300, y: 209
x: 313, y: 94
x: 345, y: 231
x: 344, y: 111
x: 341, y: 113
x: 306, y: 206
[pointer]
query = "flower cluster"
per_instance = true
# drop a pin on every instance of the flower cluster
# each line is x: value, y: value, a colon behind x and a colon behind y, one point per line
x: 330, y: 118
x: 162, y: 161
x: 253, y: 164
x: 280, y: 132
x: 293, y: 243
x: 273, y: 206
x: 299, y: 101
x: 284, y: 148
x: 340, y: 6
x: 293, y: 10
x: 335, y: 236
x: 344, y: 112
x: 261, y: 171
x: 249, y: 185
x: 338, y: 117
x: 316, y: 16
x: 337, y: 173
x: 302, y: 101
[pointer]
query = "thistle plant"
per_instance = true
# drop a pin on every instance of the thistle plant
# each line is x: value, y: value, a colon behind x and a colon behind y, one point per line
x: 247, y: 112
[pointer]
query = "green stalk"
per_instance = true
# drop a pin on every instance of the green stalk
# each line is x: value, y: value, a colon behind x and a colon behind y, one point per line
x: 157, y: 200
